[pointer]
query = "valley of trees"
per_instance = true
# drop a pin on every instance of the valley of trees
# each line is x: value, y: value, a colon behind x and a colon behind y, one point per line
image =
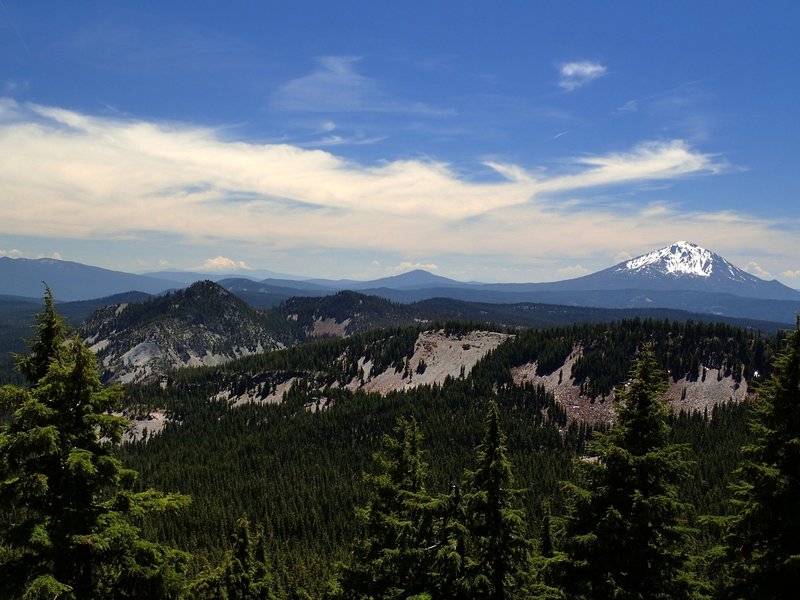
x: 476, y: 488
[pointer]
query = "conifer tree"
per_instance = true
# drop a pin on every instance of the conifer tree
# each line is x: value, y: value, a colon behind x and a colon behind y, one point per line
x: 391, y: 560
x: 545, y: 564
x: 546, y: 549
x: 51, y: 335
x: 624, y: 537
x: 450, y: 562
x: 498, y: 548
x: 244, y: 575
x: 763, y: 541
x: 68, y: 503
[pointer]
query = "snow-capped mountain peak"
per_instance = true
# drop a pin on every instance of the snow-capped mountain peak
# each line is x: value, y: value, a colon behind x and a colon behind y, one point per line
x: 681, y: 258
x: 687, y: 272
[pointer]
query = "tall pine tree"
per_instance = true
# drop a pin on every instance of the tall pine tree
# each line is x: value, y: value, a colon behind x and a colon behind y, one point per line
x: 392, y: 558
x: 624, y: 536
x: 498, y: 549
x: 450, y: 563
x: 244, y: 574
x: 68, y: 503
x: 764, y: 534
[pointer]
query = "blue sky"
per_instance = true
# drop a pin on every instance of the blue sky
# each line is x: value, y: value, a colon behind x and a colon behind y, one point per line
x: 514, y: 141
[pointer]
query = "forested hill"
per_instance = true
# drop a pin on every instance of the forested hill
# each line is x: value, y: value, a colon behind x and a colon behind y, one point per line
x: 281, y: 506
x: 344, y: 313
x: 202, y: 324
x: 293, y: 462
x: 584, y: 366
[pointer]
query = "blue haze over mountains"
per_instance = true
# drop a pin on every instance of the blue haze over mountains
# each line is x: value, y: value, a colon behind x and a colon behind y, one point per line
x: 681, y: 276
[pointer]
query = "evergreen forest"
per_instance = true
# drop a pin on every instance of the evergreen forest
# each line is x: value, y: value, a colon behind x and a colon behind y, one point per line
x: 478, y: 488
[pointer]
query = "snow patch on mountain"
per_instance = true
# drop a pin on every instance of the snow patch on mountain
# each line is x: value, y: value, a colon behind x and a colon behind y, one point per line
x: 681, y: 258
x: 686, y: 259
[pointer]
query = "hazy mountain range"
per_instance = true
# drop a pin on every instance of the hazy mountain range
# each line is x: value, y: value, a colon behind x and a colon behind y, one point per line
x: 682, y: 276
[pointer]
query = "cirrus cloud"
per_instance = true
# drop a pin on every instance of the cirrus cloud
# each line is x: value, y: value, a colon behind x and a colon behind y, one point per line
x: 71, y: 175
x: 336, y: 86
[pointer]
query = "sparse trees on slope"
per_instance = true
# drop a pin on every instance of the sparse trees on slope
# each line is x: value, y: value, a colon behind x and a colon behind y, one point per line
x: 764, y: 534
x: 624, y: 537
x: 68, y: 503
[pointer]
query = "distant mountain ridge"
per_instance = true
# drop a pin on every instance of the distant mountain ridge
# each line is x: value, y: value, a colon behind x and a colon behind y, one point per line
x: 687, y: 266
x: 681, y: 276
x: 72, y: 281
x: 207, y: 325
x: 682, y: 266
x: 410, y: 280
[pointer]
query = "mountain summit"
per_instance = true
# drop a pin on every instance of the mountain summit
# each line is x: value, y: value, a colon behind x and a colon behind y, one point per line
x: 685, y: 259
x: 203, y: 324
x: 685, y: 266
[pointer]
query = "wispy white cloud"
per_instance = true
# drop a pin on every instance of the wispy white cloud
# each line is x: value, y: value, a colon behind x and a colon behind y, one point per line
x: 410, y: 266
x: 795, y: 274
x: 573, y: 271
x: 139, y: 180
x: 335, y: 85
x: 577, y: 74
x: 221, y: 264
x: 662, y: 160
x: 9, y: 109
x: 339, y: 140
x: 15, y: 86
x: 756, y: 269
x: 628, y: 107
x: 510, y: 172
x: 622, y: 256
x: 13, y: 253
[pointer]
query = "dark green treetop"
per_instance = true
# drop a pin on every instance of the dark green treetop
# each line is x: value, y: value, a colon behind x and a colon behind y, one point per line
x: 69, y: 508
x: 391, y: 559
x: 244, y: 574
x: 763, y: 541
x: 50, y: 336
x: 624, y: 533
x: 498, y: 548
